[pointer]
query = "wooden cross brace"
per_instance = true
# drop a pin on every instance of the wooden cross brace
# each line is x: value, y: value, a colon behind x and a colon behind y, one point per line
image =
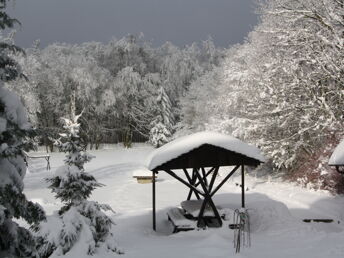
x: 206, y: 191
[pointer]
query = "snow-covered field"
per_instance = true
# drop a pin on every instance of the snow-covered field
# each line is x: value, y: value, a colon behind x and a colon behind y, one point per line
x: 276, y: 210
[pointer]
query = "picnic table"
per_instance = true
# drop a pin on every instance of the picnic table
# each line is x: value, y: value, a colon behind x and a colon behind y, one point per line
x: 42, y: 156
x: 193, y: 207
x: 143, y: 176
x: 186, y: 217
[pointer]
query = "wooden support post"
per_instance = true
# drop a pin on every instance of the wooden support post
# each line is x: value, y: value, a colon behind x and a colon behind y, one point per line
x: 207, y: 200
x: 153, y: 189
x: 47, y: 158
x: 242, y: 186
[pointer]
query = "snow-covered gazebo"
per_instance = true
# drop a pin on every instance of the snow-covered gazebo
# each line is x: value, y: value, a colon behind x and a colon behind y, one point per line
x: 337, y: 158
x: 200, y: 156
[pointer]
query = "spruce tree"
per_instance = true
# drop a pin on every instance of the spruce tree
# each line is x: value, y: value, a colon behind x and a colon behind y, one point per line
x: 15, y: 134
x: 79, y: 221
x: 162, y: 125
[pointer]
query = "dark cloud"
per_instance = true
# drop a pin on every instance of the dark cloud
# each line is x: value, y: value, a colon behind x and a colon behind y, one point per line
x: 179, y: 21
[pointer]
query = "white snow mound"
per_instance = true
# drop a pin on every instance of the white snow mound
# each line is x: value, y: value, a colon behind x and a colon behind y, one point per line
x: 270, y: 216
x: 187, y: 143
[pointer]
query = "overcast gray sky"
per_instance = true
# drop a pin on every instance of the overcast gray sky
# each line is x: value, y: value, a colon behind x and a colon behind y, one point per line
x: 179, y: 21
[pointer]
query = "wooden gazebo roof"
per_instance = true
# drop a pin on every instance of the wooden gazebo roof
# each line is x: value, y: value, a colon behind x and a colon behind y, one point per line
x: 337, y: 158
x: 204, y: 149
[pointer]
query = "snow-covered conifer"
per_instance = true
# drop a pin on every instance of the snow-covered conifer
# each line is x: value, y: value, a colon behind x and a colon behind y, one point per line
x: 163, y: 124
x: 14, y: 134
x: 80, y: 225
x: 159, y: 135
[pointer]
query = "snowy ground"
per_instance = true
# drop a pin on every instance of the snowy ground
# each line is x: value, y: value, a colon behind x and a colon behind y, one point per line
x: 276, y: 209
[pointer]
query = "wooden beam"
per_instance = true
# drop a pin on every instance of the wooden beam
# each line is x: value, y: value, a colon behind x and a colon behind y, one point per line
x: 154, y: 211
x: 192, y: 181
x: 242, y: 186
x: 224, y: 180
x: 204, y: 177
x: 207, y: 174
x: 207, y: 199
x: 212, y: 181
x: 171, y: 173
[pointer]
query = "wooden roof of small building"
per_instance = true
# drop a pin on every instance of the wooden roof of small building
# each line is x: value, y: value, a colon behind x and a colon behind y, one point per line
x: 337, y: 157
x: 204, y: 149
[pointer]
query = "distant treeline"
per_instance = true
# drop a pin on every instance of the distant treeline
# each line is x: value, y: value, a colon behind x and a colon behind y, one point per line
x: 115, y: 85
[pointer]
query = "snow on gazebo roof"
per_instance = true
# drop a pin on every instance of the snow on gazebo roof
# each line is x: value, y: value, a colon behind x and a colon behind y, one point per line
x: 337, y: 157
x: 187, y: 143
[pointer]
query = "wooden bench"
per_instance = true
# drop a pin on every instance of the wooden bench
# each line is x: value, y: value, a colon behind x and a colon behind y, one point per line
x: 143, y: 176
x: 179, y: 221
x: 319, y: 220
x: 44, y: 156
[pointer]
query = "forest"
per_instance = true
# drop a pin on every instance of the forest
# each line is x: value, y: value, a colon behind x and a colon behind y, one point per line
x: 115, y: 85
x: 280, y: 90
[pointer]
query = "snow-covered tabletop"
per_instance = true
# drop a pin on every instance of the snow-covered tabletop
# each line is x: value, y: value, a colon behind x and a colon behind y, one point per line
x: 142, y: 173
x: 193, y: 207
x: 187, y: 143
x: 337, y: 157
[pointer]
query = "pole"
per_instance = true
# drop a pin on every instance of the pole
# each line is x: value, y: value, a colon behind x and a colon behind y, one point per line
x: 153, y: 189
x: 242, y: 186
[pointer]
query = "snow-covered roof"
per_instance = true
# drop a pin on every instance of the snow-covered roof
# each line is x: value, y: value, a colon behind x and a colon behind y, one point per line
x: 337, y: 157
x: 187, y: 143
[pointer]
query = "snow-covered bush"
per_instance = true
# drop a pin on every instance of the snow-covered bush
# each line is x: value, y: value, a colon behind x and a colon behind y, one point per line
x: 79, y: 224
x: 15, y: 132
x: 163, y: 124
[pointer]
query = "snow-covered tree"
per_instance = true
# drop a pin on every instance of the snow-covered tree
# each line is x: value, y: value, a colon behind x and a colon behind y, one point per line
x: 15, y: 132
x: 163, y: 124
x: 300, y: 64
x: 116, y: 84
x: 282, y: 89
x: 196, y: 107
x: 80, y: 227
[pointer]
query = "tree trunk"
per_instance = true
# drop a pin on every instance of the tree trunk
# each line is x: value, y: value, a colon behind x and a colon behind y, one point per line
x: 72, y: 105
